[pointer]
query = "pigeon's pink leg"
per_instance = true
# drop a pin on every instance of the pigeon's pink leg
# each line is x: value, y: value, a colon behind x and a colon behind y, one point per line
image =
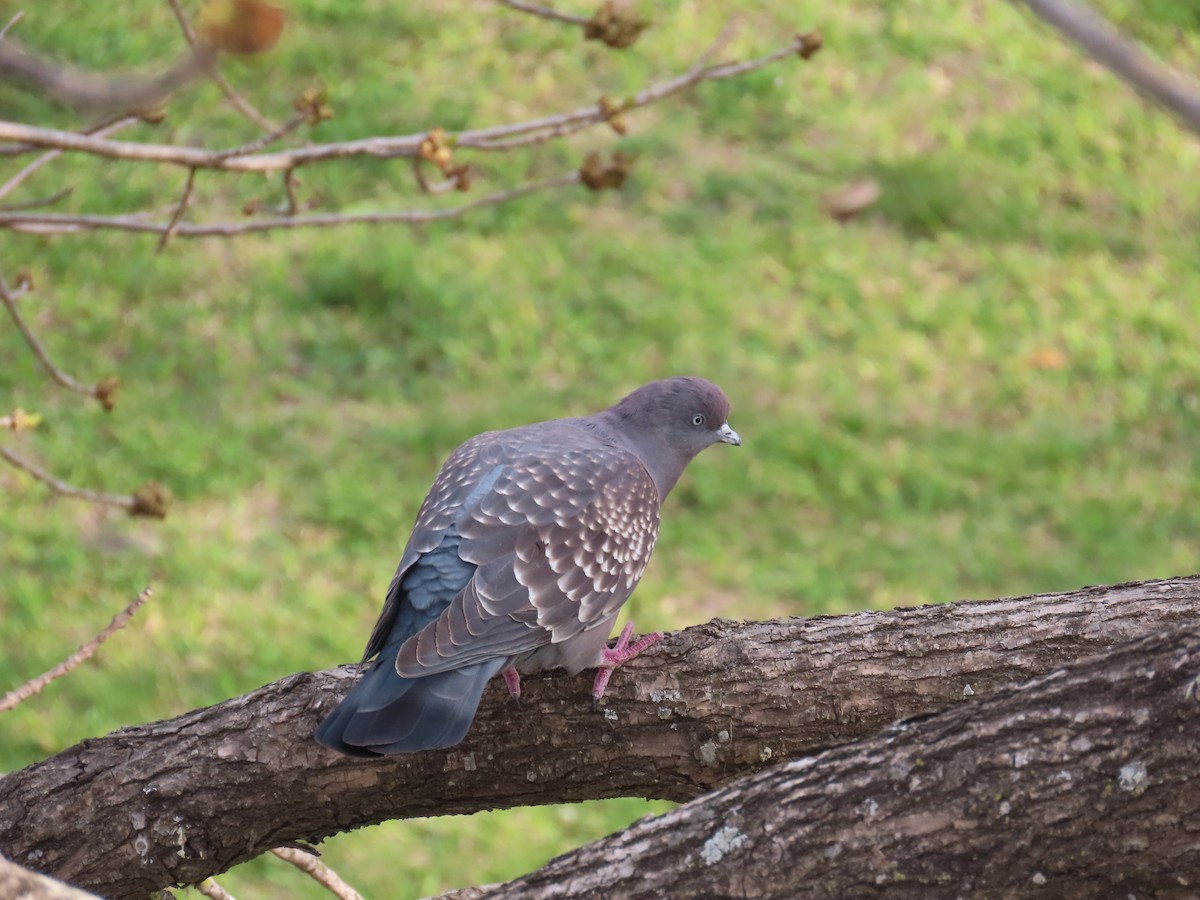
x: 621, y: 653
x: 512, y: 681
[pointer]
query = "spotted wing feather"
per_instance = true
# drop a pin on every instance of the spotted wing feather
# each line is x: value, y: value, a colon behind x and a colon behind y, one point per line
x: 560, y: 537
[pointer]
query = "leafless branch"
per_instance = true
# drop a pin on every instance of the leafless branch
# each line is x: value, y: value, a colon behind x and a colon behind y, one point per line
x: 104, y: 391
x: 1155, y: 81
x: 271, y: 137
x: 289, y: 187
x: 150, y: 500
x: 506, y: 137
x: 85, y: 90
x: 98, y: 128
x: 11, y: 22
x: 240, y: 103
x: 9, y: 186
x: 492, y: 138
x: 48, y: 223
x: 34, y: 686
x: 184, y: 199
x: 318, y: 871
x: 38, y: 202
x: 544, y: 12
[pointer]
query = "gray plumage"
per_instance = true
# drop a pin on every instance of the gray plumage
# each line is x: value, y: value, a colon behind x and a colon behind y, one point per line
x: 522, y: 554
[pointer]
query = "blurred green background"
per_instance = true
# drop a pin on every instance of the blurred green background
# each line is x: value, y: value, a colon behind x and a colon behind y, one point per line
x: 986, y: 384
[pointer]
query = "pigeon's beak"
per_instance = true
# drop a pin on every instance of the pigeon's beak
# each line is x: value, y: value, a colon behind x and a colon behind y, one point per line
x: 727, y: 435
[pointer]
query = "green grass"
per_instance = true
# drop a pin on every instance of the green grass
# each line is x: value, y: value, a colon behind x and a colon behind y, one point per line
x: 987, y: 384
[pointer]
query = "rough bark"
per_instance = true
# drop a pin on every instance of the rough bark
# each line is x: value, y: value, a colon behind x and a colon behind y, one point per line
x: 1081, y: 784
x: 177, y: 801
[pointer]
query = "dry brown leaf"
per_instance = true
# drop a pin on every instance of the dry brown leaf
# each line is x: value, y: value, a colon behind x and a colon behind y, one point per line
x: 240, y: 26
x: 1047, y: 359
x: 851, y: 199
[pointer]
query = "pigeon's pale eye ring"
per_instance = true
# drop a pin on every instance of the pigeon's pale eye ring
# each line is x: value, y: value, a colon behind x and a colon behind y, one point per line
x: 697, y: 420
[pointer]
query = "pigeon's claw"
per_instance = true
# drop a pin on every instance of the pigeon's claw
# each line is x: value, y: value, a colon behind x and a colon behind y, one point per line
x: 512, y: 681
x: 619, y: 654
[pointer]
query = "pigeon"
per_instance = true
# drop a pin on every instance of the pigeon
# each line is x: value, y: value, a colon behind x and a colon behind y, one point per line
x: 525, y: 549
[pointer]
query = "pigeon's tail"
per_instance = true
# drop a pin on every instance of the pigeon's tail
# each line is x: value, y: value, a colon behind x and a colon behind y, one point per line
x: 385, y: 713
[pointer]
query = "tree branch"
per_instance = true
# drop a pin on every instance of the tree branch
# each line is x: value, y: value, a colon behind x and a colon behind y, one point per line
x: 236, y: 100
x: 383, y: 147
x: 104, y: 391
x: 89, y: 91
x: 544, y: 12
x: 150, y: 500
x: 1080, y: 784
x: 147, y: 806
x: 318, y: 872
x: 53, y: 223
x: 35, y: 685
x: 1156, y: 82
x: 111, y: 128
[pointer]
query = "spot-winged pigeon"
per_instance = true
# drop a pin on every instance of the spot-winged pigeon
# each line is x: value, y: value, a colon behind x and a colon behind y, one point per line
x: 522, y: 554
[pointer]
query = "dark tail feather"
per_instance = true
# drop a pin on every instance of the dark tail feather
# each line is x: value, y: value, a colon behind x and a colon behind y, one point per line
x: 385, y: 713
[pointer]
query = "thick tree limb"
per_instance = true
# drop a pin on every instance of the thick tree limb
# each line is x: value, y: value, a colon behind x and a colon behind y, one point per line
x: 1080, y: 784
x: 183, y: 799
x: 1156, y: 82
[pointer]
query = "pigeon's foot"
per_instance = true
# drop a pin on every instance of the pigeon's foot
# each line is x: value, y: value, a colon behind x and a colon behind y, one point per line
x: 618, y: 655
x: 512, y: 681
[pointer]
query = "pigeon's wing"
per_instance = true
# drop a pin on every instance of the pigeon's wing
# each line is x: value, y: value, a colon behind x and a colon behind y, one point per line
x: 560, y: 530
x: 430, y: 571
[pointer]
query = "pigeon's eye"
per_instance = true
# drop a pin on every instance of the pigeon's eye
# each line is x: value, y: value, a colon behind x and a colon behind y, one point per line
x: 697, y: 420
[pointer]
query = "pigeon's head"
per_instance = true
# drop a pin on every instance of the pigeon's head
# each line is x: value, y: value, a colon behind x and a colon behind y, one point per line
x: 671, y: 421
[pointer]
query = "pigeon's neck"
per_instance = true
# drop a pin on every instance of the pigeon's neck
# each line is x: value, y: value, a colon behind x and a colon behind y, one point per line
x: 648, y: 445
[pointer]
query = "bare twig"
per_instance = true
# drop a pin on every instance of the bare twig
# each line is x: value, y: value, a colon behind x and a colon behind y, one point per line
x: 9, y: 186
x: 289, y: 187
x: 720, y: 42
x: 11, y: 22
x: 49, y: 223
x: 319, y: 872
x: 209, y: 888
x: 240, y: 103
x: 39, y: 202
x: 1155, y: 81
x: 34, y: 686
x: 184, y: 199
x: 544, y: 12
x: 506, y: 137
x: 149, y: 500
x: 492, y: 138
x: 271, y: 137
x: 9, y: 297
